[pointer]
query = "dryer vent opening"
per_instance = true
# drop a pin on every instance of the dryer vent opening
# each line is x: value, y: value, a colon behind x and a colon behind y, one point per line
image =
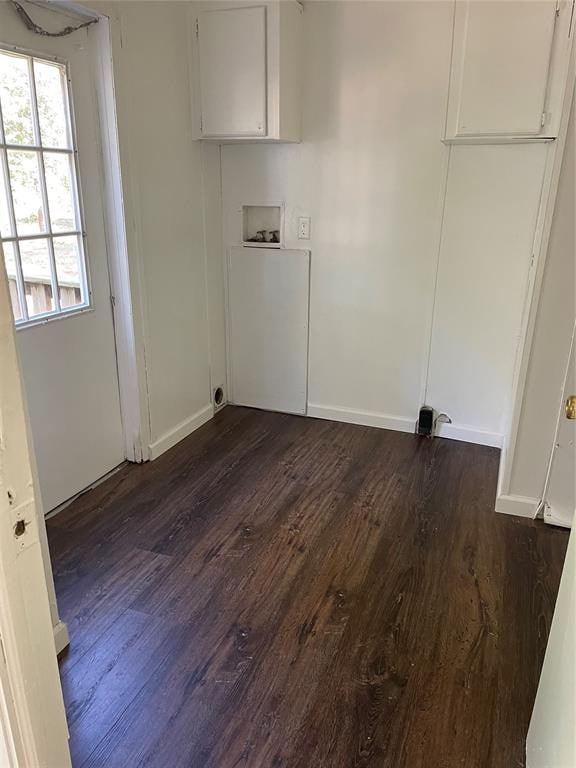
x: 218, y: 397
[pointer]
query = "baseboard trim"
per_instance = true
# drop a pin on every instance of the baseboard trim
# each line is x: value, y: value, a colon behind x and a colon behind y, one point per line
x: 95, y: 484
x: 364, y: 418
x: 469, y: 435
x: 551, y: 518
x: 61, y: 637
x: 400, y: 424
x: 180, y: 431
x: 521, y: 506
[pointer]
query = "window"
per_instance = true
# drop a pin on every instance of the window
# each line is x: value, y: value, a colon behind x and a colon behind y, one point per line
x: 40, y: 218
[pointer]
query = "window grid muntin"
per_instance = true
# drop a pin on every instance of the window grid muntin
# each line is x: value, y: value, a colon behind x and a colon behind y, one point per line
x: 39, y: 149
x: 43, y: 187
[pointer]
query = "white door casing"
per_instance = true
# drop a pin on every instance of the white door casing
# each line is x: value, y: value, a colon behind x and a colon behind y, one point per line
x: 551, y: 741
x: 31, y: 704
x: 560, y: 493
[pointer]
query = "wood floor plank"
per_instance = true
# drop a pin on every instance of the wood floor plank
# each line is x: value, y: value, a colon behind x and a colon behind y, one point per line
x: 287, y: 592
x: 114, y: 670
x: 91, y: 609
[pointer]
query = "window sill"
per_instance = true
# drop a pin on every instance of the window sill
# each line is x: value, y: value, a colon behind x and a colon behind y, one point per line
x: 51, y: 318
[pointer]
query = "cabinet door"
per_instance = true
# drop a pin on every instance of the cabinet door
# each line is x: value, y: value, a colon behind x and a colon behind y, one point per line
x: 500, y: 67
x: 232, y: 52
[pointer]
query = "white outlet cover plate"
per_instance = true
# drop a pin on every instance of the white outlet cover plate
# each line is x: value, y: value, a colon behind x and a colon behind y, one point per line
x: 304, y: 228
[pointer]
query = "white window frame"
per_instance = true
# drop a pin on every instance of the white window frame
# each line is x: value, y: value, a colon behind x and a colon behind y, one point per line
x: 58, y: 312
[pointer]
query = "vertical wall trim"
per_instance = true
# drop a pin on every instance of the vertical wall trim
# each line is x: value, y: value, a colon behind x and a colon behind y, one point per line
x: 540, y: 253
x: 211, y: 382
x: 125, y: 278
x: 560, y: 416
x: 430, y: 329
x: 442, y: 210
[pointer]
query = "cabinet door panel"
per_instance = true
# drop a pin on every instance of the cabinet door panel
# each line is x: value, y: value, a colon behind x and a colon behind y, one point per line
x: 268, y: 294
x: 500, y: 67
x: 232, y: 51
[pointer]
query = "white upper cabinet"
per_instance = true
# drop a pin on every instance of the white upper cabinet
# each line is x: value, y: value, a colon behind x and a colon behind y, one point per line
x: 232, y: 51
x: 247, y: 70
x: 509, y: 63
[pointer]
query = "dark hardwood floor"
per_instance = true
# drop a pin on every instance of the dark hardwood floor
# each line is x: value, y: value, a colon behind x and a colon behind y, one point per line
x: 281, y: 591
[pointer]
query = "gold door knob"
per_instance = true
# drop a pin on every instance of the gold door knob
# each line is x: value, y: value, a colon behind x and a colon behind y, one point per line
x: 571, y: 407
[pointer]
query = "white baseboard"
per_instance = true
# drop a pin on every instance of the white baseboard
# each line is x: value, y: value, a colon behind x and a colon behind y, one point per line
x: 365, y: 418
x: 521, y: 506
x: 469, y: 434
x: 72, y: 499
x: 552, y: 518
x: 61, y: 637
x: 400, y: 424
x: 180, y: 431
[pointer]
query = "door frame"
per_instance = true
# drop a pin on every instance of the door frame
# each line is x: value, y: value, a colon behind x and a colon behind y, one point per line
x: 549, y: 516
x: 505, y: 501
x: 32, y: 714
x: 124, y: 264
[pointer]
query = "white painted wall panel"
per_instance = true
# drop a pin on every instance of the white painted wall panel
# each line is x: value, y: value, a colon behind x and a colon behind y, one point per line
x: 490, y: 214
x: 268, y: 327
x: 370, y: 175
x: 162, y: 177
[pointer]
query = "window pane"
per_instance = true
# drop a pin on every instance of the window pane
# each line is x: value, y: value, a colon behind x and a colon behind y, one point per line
x: 36, y: 182
x: 37, y: 276
x: 59, y: 186
x: 5, y: 223
x: 15, y: 98
x: 51, y: 97
x: 10, y: 261
x: 68, y: 259
x: 25, y: 181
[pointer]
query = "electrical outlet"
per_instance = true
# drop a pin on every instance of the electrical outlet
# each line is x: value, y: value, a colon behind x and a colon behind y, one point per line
x: 304, y: 228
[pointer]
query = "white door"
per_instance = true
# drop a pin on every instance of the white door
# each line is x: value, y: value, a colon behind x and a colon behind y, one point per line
x: 560, y: 495
x: 51, y: 224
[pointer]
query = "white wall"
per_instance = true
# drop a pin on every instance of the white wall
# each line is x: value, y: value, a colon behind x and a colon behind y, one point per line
x: 373, y: 174
x: 551, y: 340
x: 492, y: 200
x: 370, y: 173
x: 552, y: 736
x: 162, y: 173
